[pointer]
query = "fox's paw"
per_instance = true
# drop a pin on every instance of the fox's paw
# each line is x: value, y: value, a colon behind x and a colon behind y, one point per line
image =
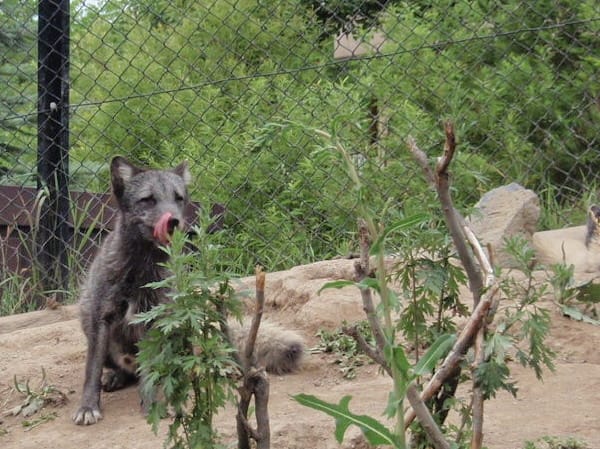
x: 116, y: 379
x: 86, y: 416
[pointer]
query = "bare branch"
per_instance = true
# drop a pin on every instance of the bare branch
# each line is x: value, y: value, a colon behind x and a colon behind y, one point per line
x: 486, y: 265
x: 255, y: 384
x: 449, y: 149
x: 365, y: 347
x: 421, y: 158
x: 479, y: 350
x: 441, y: 182
x: 362, y: 272
x: 260, y: 304
x: 244, y: 429
x: 247, y: 427
x: 432, y: 430
x: 261, y: 401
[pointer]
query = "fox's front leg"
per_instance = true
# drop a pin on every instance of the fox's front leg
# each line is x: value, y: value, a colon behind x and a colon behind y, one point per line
x: 89, y: 410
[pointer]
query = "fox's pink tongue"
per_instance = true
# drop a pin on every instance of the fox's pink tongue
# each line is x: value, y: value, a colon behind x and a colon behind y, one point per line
x: 161, y: 229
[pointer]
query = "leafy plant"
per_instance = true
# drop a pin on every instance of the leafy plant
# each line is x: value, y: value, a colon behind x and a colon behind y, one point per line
x: 375, y: 432
x: 388, y: 351
x: 524, y: 324
x: 33, y: 423
x: 429, y: 289
x: 185, y: 353
x: 577, y: 300
x: 429, y: 280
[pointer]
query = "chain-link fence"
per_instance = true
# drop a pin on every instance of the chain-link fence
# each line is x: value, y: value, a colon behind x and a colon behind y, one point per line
x: 260, y: 96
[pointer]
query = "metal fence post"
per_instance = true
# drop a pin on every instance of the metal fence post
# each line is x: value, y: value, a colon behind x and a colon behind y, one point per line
x: 53, y: 143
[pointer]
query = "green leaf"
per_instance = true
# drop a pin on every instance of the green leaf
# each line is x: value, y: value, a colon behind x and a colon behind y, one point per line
x: 336, y: 284
x: 578, y: 315
x: 498, y: 345
x: 375, y: 432
x: 393, y: 405
x: 395, y: 355
x: 492, y: 376
x: 436, y: 352
x: 407, y: 222
x: 369, y: 283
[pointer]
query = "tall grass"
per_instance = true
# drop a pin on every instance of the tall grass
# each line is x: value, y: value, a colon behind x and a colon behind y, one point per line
x: 22, y: 290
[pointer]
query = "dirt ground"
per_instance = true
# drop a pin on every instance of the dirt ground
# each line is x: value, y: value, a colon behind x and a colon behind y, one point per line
x: 565, y: 404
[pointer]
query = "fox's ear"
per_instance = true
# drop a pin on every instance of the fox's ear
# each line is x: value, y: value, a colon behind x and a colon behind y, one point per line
x: 184, y: 171
x: 121, y: 172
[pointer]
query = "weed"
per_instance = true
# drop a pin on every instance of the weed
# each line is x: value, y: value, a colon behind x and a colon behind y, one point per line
x: 33, y: 423
x: 35, y: 400
x: 523, y: 326
x: 577, y: 300
x: 185, y: 353
x: 548, y: 442
x: 344, y: 347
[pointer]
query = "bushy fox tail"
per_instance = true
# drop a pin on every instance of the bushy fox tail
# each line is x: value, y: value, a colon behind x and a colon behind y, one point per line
x: 278, y: 350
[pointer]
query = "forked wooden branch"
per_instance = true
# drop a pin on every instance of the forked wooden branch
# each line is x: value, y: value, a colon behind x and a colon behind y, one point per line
x: 460, y: 232
x: 254, y: 382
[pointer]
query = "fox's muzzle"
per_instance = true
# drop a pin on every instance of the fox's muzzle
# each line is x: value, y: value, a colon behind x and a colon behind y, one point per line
x: 164, y: 228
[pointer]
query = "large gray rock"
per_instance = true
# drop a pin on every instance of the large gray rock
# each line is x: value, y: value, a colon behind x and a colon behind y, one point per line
x: 505, y: 212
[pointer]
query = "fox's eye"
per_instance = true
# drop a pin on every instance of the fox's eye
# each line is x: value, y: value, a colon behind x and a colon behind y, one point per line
x: 178, y: 197
x: 148, y: 200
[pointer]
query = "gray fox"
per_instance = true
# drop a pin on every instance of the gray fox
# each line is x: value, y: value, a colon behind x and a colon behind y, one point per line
x: 150, y: 207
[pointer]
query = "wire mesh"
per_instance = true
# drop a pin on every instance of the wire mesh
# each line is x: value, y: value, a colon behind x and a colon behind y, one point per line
x: 260, y: 96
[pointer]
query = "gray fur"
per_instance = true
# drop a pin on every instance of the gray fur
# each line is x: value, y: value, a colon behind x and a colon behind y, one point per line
x: 113, y: 291
x: 278, y: 350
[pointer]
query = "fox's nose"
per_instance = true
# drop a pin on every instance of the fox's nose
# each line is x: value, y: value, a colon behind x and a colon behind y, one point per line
x: 172, y: 224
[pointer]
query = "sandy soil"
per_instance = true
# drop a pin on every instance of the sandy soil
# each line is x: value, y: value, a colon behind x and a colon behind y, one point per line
x: 566, y: 403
